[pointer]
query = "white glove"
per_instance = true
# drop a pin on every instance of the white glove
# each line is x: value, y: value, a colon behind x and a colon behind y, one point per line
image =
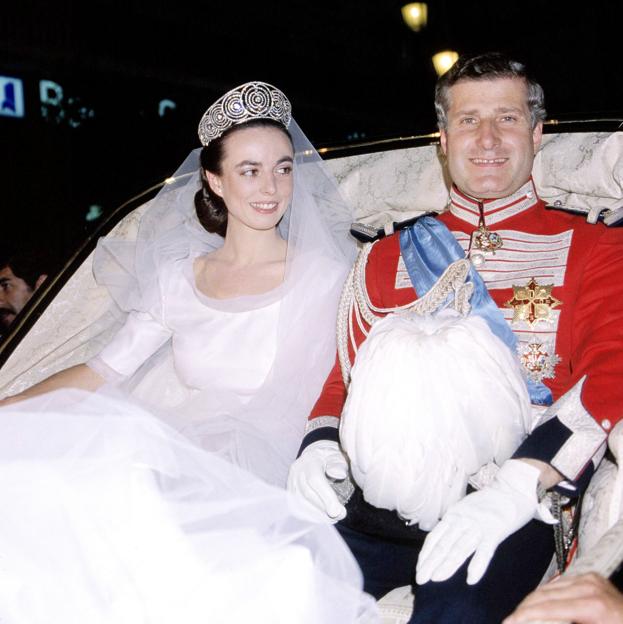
x: 480, y: 522
x: 310, y: 473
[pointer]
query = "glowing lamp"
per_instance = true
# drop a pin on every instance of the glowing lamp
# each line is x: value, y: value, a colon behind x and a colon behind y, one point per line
x: 415, y: 15
x: 443, y: 61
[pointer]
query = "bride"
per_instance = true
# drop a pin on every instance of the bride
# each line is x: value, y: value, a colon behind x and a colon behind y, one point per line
x: 110, y: 514
x: 231, y: 289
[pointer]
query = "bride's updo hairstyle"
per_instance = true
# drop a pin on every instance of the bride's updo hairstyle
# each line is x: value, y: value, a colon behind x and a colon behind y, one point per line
x: 251, y: 105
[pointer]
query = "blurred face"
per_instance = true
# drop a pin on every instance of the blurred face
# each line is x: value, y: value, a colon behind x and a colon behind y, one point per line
x: 489, y: 141
x: 256, y: 177
x: 14, y: 294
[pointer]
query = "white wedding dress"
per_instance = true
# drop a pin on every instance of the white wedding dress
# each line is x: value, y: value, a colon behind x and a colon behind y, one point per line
x: 108, y: 515
x: 111, y: 515
x: 210, y: 366
x: 214, y: 343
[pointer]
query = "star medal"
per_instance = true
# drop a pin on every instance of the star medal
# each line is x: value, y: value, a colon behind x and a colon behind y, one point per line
x: 537, y: 360
x: 532, y: 303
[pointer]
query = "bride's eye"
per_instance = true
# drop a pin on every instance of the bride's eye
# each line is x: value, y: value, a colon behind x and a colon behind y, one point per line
x: 285, y: 170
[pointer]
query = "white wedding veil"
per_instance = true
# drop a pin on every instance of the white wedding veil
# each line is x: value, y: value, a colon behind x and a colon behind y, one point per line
x: 263, y: 434
x: 111, y: 517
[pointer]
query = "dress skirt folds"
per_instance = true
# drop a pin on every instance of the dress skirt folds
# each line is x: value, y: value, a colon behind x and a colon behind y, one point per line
x: 109, y: 515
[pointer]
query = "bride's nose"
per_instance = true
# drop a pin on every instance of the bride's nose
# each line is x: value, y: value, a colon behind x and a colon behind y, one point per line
x: 269, y: 184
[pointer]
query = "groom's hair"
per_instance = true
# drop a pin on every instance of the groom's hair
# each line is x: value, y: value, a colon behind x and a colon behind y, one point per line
x: 488, y: 66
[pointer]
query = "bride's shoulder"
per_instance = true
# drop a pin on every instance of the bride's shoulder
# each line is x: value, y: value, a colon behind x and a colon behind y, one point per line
x: 173, y: 272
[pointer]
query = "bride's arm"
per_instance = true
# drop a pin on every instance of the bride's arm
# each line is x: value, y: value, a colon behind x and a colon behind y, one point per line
x: 79, y: 376
x: 140, y: 337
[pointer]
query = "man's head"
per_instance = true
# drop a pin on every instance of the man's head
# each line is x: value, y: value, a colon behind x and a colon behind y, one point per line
x: 20, y: 275
x: 490, y: 116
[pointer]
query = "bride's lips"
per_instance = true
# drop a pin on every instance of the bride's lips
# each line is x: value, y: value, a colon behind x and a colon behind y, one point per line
x: 265, y: 207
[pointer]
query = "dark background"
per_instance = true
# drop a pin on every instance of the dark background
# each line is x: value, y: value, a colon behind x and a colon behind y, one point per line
x: 352, y: 70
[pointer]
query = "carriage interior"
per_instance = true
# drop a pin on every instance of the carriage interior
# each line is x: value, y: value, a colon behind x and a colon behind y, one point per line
x: 384, y: 183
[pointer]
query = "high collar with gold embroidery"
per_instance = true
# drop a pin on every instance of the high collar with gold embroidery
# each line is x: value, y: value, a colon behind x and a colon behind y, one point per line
x: 495, y: 210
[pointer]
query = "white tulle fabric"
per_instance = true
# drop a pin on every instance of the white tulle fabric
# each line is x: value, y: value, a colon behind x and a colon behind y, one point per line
x: 110, y: 516
x: 431, y: 401
x: 197, y: 380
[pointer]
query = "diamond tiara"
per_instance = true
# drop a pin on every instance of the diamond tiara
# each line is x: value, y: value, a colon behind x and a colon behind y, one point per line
x: 252, y: 100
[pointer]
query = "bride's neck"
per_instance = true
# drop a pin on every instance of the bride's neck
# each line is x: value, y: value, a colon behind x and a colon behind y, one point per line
x: 246, y: 246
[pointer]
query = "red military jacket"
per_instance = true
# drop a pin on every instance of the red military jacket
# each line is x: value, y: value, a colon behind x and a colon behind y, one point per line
x: 557, y: 281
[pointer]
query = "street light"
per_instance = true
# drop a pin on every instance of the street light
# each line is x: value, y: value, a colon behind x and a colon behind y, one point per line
x: 415, y: 15
x: 443, y: 61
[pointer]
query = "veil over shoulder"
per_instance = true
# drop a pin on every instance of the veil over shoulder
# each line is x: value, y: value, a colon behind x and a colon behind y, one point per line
x: 262, y: 430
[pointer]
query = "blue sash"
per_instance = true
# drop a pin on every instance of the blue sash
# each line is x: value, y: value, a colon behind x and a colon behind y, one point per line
x: 428, y: 248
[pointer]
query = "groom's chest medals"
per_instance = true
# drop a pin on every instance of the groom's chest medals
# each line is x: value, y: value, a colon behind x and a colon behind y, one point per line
x: 522, y: 277
x: 523, y: 272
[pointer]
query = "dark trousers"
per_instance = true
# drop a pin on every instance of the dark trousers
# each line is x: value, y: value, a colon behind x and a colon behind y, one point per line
x: 388, y: 558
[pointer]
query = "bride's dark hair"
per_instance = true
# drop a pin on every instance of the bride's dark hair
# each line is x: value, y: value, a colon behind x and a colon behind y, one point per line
x: 210, y: 207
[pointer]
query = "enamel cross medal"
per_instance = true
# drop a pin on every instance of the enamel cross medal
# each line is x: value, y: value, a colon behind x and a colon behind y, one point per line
x: 533, y: 302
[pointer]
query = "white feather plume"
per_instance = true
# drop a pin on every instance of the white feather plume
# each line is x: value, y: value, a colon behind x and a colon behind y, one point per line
x: 431, y: 400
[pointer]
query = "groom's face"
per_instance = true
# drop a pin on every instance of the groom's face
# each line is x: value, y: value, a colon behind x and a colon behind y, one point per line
x: 489, y: 139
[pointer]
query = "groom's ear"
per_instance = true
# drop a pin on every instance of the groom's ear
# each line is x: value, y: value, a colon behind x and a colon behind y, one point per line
x: 215, y: 183
x: 443, y: 140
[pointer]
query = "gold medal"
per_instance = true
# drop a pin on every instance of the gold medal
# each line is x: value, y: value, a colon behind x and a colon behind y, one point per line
x: 532, y: 303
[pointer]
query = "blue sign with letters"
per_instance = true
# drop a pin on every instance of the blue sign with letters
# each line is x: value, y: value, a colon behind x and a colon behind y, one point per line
x: 11, y: 97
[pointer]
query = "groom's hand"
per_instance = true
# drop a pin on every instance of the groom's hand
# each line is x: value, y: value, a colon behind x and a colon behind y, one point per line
x: 478, y: 523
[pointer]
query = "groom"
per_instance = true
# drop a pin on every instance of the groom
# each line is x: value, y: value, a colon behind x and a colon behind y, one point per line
x: 554, y: 280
